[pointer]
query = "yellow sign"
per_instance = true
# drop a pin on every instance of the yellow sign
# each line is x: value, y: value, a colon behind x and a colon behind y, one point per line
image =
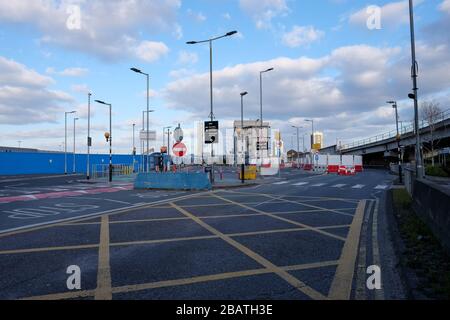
x: 317, y: 146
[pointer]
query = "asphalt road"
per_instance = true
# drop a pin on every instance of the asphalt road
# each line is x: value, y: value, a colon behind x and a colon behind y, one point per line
x: 301, y: 236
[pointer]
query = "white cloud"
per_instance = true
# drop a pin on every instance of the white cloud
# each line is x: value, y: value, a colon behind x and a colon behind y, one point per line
x: 80, y: 88
x: 69, y: 72
x: 108, y: 29
x: 300, y: 36
x: 445, y: 6
x: 187, y: 58
x: 392, y: 14
x: 150, y: 51
x: 25, y: 97
x: 197, y: 16
x: 264, y: 11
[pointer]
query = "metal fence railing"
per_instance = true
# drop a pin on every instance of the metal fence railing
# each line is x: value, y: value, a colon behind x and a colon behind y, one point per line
x: 102, y: 170
x: 392, y: 134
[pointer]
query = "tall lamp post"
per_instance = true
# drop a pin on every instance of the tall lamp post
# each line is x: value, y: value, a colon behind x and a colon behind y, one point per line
x: 211, y: 115
x: 134, y: 148
x: 414, y: 95
x: 261, y: 110
x: 394, y: 105
x: 110, y: 137
x: 143, y: 142
x: 65, y: 140
x: 242, y: 137
x: 298, y: 143
x: 312, y: 136
x: 89, y: 139
x: 74, y: 144
x: 147, y: 167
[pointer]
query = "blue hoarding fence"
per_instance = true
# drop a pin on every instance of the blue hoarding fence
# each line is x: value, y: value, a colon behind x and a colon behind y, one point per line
x: 14, y: 163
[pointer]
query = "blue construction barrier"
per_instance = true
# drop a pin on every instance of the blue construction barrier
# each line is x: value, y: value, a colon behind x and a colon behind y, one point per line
x: 173, y: 181
x: 14, y: 163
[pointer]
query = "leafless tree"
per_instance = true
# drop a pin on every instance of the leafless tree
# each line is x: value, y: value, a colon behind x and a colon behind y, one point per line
x: 431, y: 113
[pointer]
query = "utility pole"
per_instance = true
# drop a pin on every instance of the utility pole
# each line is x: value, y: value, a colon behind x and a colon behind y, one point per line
x: 89, y: 139
x: 414, y: 95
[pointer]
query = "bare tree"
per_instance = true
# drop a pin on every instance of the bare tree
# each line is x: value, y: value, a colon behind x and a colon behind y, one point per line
x: 431, y: 113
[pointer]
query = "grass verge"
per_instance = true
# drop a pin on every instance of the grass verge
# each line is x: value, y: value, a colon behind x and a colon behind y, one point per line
x: 423, y: 254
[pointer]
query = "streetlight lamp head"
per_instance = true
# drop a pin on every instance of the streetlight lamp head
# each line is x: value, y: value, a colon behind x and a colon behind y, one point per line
x: 271, y: 69
x: 136, y: 70
x: 412, y: 96
x: 191, y: 42
x: 231, y: 33
x: 244, y: 93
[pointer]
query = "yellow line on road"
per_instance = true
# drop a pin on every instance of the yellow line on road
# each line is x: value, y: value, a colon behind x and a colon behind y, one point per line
x: 258, y: 258
x: 284, y: 219
x: 103, y: 291
x: 342, y: 283
x: 185, y: 281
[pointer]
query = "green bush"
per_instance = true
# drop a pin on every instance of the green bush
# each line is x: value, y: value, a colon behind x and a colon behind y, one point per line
x: 436, y: 171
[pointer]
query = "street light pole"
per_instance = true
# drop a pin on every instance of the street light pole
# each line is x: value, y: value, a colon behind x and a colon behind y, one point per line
x: 261, y: 110
x: 210, y: 41
x: 242, y: 137
x: 65, y: 140
x: 298, y: 143
x: 143, y: 142
x: 148, y: 113
x: 110, y: 138
x: 74, y: 143
x: 134, y: 148
x: 312, y: 136
x: 414, y: 96
x: 89, y: 142
x: 394, y: 106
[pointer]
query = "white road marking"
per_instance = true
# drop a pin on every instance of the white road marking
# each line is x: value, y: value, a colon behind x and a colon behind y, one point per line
x: 281, y: 182
x: 319, y: 185
x: 358, y: 186
x: 381, y: 187
x: 339, y: 186
x: 300, y: 184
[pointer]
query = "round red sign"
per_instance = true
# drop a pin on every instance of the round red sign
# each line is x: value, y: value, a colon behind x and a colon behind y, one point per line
x: 179, y: 149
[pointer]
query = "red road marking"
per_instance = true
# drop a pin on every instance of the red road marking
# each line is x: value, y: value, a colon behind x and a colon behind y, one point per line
x: 55, y: 195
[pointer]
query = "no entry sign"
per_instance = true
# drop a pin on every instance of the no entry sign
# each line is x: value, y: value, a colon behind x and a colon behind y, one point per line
x: 179, y: 149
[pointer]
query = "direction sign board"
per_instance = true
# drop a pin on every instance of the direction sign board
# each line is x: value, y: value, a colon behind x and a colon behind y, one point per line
x: 211, y: 132
x: 151, y: 135
x: 179, y: 149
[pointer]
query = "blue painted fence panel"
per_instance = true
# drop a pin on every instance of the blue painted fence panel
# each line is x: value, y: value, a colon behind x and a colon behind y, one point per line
x: 173, y: 181
x: 13, y: 163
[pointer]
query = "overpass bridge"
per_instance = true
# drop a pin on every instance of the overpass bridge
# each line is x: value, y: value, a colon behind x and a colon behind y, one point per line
x: 383, y: 148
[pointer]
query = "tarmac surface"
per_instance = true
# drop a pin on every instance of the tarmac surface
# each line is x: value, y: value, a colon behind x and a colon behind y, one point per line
x: 301, y: 236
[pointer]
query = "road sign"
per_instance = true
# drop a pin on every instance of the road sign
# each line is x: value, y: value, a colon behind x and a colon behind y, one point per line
x: 151, y: 135
x: 262, y: 145
x: 179, y: 149
x: 211, y: 132
x: 178, y: 134
x: 316, y: 157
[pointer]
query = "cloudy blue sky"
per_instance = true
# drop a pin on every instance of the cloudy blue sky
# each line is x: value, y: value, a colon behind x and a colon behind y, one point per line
x: 328, y: 64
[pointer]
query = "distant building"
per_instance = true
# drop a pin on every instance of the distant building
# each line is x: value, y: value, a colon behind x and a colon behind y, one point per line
x: 252, y: 143
x: 317, y: 140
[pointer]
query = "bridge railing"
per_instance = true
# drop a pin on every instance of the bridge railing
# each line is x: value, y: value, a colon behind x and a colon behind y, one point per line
x: 393, y: 133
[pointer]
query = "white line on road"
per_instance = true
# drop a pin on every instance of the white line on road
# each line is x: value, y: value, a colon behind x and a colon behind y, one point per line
x: 319, y: 185
x: 339, y: 186
x: 381, y: 187
x: 281, y: 182
x: 301, y: 184
x: 358, y: 186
